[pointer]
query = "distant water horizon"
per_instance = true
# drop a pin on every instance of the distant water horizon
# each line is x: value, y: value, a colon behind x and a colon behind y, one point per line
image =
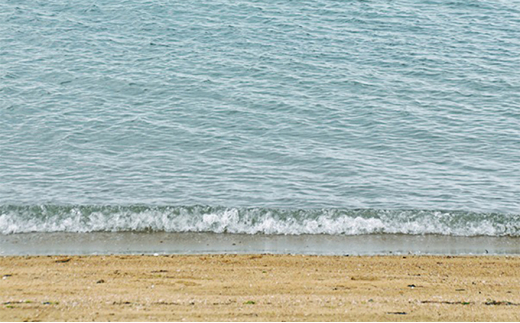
x: 260, y: 117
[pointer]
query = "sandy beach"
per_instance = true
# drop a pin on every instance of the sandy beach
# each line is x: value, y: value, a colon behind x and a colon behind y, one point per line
x: 259, y: 288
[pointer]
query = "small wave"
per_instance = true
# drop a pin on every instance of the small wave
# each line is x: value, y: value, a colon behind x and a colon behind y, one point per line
x: 54, y: 218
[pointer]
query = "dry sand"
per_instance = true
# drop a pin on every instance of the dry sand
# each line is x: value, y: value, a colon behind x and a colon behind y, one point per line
x: 259, y: 288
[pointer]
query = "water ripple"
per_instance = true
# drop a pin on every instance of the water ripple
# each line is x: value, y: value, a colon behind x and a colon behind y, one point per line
x: 307, y: 104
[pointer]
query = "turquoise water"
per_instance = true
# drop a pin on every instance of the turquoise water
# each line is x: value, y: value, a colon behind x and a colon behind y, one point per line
x: 335, y: 117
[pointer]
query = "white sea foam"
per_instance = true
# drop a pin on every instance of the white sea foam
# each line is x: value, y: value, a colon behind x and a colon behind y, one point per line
x: 48, y: 218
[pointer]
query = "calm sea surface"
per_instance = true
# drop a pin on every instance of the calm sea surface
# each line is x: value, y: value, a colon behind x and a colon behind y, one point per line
x: 284, y: 117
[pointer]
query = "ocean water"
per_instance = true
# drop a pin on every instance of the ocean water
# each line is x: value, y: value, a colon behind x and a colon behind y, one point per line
x: 335, y: 117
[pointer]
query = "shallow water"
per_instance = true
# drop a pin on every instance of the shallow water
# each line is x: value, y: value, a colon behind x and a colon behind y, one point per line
x: 102, y: 243
x: 287, y: 105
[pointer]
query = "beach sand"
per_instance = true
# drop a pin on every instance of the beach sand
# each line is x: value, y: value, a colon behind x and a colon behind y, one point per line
x: 259, y: 288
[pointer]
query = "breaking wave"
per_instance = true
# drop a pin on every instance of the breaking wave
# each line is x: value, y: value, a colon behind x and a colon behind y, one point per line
x: 139, y: 218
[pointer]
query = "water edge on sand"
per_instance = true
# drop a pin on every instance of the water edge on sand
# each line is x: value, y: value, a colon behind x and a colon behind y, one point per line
x: 212, y: 243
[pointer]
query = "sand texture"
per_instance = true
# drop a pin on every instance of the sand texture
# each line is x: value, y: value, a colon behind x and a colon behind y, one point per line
x: 259, y: 288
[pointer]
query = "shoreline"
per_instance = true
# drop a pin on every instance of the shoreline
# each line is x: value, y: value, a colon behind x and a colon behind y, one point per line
x: 259, y: 287
x: 106, y: 243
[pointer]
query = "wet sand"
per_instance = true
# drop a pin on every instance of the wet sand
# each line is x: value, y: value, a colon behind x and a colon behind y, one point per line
x: 259, y: 288
x: 184, y: 243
